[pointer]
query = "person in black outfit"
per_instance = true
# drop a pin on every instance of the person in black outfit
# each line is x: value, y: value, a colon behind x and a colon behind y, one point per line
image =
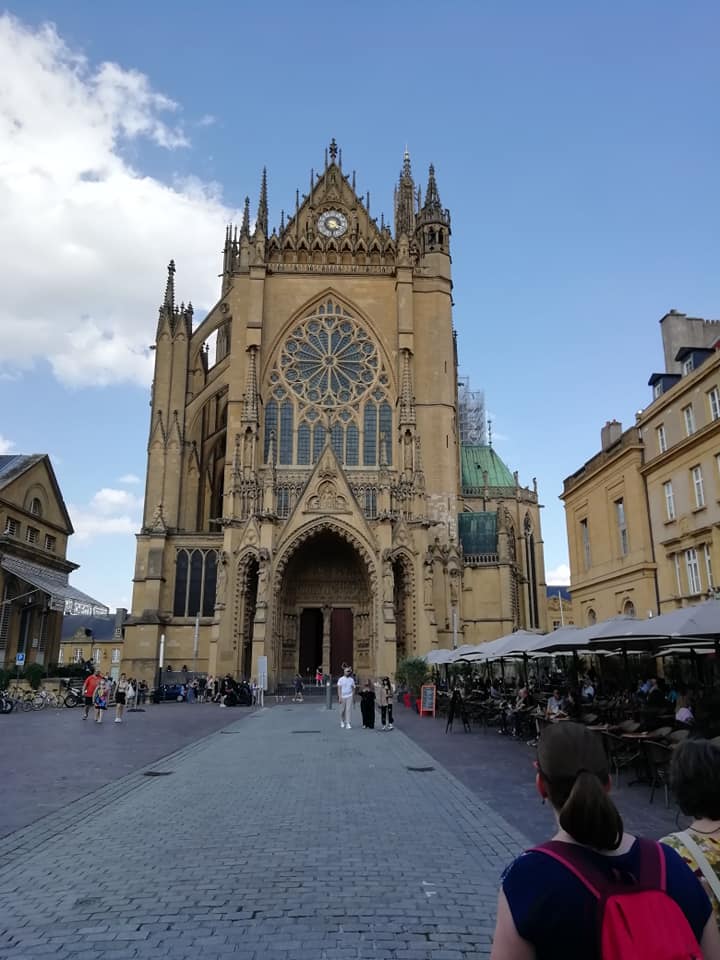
x: 367, y: 706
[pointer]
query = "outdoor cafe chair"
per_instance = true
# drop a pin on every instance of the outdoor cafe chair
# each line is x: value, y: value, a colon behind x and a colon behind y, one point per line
x: 590, y: 719
x: 621, y: 754
x: 660, y: 734
x: 628, y: 726
x: 657, y: 757
x: 677, y: 736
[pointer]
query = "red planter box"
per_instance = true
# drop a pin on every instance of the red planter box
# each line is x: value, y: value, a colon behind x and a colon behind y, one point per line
x: 406, y: 699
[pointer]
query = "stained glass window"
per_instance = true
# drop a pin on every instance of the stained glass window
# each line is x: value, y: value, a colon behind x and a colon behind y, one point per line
x: 318, y: 441
x: 352, y: 447
x: 386, y: 434
x: 209, y: 584
x: 338, y: 436
x: 370, y: 434
x: 271, y: 413
x: 286, y: 432
x: 303, y: 451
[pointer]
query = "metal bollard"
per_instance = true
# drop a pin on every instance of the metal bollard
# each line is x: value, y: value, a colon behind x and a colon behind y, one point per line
x: 328, y: 695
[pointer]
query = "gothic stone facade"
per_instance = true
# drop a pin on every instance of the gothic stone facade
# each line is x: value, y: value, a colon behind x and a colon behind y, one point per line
x: 303, y: 483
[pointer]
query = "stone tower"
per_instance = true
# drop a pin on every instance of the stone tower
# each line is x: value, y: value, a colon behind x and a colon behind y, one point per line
x: 303, y: 483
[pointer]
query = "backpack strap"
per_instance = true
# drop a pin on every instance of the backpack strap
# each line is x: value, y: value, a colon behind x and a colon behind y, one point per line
x: 574, y: 857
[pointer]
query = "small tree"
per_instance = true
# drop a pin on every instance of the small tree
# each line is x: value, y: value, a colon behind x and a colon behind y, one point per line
x: 412, y: 673
x: 34, y: 674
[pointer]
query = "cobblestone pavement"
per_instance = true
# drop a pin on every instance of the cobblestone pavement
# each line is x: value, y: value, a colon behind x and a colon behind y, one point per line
x: 497, y: 768
x: 279, y: 836
x: 52, y: 757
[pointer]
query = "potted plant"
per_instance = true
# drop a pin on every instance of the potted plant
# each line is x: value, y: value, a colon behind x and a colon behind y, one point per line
x: 412, y: 673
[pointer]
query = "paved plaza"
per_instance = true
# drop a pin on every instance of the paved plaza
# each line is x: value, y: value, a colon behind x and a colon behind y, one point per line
x: 280, y: 835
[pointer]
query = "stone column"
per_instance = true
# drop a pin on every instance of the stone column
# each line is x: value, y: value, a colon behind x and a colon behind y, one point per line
x: 326, y: 612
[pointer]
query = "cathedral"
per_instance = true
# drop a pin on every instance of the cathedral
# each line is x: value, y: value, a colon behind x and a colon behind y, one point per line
x: 308, y: 498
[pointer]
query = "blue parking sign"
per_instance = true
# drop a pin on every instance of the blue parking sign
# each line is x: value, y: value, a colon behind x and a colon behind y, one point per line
x: 19, y: 659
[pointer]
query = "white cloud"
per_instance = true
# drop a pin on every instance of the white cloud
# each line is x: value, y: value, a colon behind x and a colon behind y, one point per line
x: 91, y: 236
x: 207, y: 120
x: 110, y: 511
x: 129, y: 478
x: 559, y: 576
x: 6, y: 445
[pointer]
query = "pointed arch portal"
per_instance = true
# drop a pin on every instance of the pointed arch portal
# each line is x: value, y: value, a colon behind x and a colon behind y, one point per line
x: 324, y: 610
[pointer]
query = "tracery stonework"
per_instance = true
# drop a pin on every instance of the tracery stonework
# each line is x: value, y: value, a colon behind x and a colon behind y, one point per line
x: 303, y: 446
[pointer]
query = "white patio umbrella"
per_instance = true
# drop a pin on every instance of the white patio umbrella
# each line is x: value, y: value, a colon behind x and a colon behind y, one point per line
x: 436, y: 657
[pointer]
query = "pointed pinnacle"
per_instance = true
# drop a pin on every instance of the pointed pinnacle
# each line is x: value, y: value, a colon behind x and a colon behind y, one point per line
x: 431, y: 194
x: 245, y: 228
x: 406, y: 171
x: 170, y: 286
x: 262, y: 217
x: 333, y: 150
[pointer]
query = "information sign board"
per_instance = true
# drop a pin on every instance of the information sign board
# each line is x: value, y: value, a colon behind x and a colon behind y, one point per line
x: 427, y: 699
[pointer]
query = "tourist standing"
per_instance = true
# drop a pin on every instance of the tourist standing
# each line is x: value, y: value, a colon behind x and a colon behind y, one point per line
x: 88, y: 691
x: 298, y: 688
x: 121, y: 697
x: 346, y: 693
x: 318, y: 677
x: 695, y: 782
x: 367, y: 706
x: 551, y: 894
x: 385, y: 702
x: 100, y: 700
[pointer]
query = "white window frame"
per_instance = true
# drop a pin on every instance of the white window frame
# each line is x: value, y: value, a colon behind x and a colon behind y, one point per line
x: 36, y: 507
x: 661, y: 438
x: 115, y: 658
x: 693, y: 571
x: 622, y: 527
x: 698, y: 487
x: 32, y: 535
x: 688, y: 365
x: 78, y: 655
x: 657, y: 389
x: 714, y: 402
x: 61, y: 655
x: 689, y: 418
x: 669, y: 500
x: 12, y: 526
x: 50, y: 543
x: 97, y: 655
x: 708, y: 566
x: 678, y: 579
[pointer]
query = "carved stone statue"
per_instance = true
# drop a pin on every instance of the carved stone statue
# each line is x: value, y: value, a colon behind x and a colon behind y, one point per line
x: 221, y: 580
x: 454, y: 587
x: 263, y: 573
x: 428, y: 580
x: 388, y: 582
x: 158, y: 520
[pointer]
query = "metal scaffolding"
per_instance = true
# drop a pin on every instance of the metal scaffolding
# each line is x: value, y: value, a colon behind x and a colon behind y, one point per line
x: 471, y: 413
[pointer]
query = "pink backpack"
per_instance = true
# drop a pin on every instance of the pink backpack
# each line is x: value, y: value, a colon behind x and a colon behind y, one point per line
x: 636, y: 921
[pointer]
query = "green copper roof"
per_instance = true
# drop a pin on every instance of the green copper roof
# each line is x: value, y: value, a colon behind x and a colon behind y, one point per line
x: 478, y: 532
x: 476, y: 460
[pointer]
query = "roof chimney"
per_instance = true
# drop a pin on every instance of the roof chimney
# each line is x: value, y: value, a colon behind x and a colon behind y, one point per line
x: 610, y: 434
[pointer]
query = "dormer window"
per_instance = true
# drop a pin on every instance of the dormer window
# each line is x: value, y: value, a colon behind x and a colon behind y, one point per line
x: 687, y: 366
x: 35, y: 507
x: 657, y: 390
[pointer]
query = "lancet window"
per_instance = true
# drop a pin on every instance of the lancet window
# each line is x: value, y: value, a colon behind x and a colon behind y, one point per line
x: 329, y: 376
x: 195, y: 583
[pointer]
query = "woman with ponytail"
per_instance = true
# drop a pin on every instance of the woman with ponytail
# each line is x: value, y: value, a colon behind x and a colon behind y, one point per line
x: 548, y: 909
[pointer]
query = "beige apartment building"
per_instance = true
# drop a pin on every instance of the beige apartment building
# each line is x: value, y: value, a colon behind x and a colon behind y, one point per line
x: 305, y: 498
x: 642, y: 514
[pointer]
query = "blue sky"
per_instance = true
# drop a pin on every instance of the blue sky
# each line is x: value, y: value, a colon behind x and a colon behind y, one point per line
x: 575, y: 146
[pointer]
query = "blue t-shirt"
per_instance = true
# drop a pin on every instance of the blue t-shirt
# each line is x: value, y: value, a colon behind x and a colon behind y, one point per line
x: 554, y: 910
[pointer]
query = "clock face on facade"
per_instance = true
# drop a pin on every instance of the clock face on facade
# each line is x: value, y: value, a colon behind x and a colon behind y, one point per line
x: 332, y: 223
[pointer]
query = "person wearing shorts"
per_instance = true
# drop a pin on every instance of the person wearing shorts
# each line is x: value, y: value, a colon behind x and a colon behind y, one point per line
x: 121, y: 697
x: 88, y: 691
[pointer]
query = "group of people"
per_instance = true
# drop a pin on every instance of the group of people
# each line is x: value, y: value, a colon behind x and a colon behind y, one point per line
x: 378, y: 694
x: 595, y: 891
x: 98, y: 692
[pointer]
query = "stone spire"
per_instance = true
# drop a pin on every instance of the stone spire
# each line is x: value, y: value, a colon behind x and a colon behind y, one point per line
x: 169, y: 301
x: 245, y: 226
x: 432, y: 197
x: 405, y: 199
x: 433, y: 222
x: 262, y: 214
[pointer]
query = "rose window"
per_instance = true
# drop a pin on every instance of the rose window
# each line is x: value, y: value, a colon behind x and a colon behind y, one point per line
x: 329, y: 360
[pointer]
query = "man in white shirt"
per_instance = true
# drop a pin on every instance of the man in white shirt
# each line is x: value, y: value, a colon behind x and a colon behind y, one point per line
x: 346, y: 692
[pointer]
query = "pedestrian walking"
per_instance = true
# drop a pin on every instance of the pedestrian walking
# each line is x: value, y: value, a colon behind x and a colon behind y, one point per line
x: 202, y: 686
x: 319, y: 677
x: 346, y: 693
x: 88, y: 691
x: 100, y: 700
x: 121, y: 697
x: 367, y: 706
x: 385, y: 702
x: 131, y: 694
x: 595, y: 891
x: 298, y: 688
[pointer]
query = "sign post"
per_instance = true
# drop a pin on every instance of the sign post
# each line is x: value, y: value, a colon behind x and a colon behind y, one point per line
x: 427, y: 699
x: 262, y: 665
